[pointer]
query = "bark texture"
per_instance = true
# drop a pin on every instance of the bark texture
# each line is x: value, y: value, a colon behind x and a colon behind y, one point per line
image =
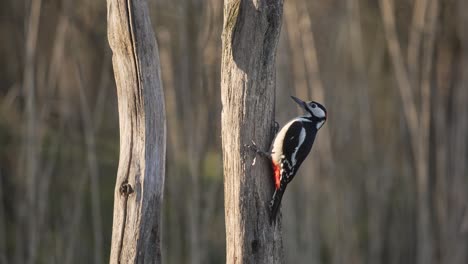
x: 140, y: 176
x: 250, y: 37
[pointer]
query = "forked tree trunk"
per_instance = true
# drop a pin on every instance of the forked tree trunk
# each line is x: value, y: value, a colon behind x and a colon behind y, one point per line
x: 140, y: 176
x: 250, y: 37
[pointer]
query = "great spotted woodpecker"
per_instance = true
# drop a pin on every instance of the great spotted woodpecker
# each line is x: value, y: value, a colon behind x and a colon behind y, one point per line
x: 291, y: 146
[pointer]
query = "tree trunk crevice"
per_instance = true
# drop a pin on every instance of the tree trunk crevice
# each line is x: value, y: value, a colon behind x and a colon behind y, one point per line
x: 140, y: 176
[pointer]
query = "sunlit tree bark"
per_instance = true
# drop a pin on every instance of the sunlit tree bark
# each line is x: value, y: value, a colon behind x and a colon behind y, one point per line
x: 140, y: 177
x: 250, y: 37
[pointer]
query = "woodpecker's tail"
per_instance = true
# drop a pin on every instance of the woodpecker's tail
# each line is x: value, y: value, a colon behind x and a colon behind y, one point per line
x: 275, y: 202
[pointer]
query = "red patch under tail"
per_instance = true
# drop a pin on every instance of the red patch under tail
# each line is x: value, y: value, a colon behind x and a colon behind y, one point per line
x: 276, y: 170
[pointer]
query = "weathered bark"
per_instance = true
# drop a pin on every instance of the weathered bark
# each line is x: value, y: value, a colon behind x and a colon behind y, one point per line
x: 140, y: 176
x: 250, y: 37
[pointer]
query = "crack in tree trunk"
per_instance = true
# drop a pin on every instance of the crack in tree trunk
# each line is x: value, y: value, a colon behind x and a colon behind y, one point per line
x: 140, y: 177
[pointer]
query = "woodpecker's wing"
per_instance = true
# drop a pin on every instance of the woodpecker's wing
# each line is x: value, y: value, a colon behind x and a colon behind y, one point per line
x: 292, y: 140
x: 298, y: 141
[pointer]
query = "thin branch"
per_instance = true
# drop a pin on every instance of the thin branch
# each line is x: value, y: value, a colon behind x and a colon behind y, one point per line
x: 89, y: 134
x: 69, y: 248
x: 425, y: 239
x: 358, y: 57
x: 416, y: 31
x: 3, y: 234
x: 404, y: 86
x: 295, y: 47
x: 30, y: 132
x: 77, y: 207
x: 311, y: 63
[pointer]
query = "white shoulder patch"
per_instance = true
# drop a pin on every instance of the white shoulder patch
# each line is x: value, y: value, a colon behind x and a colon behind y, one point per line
x: 302, y: 136
x: 277, y: 147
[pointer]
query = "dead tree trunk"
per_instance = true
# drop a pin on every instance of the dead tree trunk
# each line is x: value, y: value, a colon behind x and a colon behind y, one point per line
x: 140, y: 176
x: 250, y: 37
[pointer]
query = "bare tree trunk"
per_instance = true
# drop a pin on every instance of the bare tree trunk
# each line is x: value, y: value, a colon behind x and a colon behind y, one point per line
x: 140, y: 176
x: 250, y: 37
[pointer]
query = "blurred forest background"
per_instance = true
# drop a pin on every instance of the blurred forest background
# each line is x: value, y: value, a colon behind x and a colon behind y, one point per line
x: 386, y: 181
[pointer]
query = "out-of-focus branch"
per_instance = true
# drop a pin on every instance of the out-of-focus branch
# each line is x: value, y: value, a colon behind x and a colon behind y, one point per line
x: 425, y: 252
x: 458, y: 193
x: 77, y: 201
x: 44, y: 184
x: 404, y: 86
x: 77, y: 212
x: 57, y: 56
x: 176, y: 147
x: 56, y: 64
x: 3, y: 235
x: 30, y: 132
x: 309, y: 51
x: 426, y: 78
x: 416, y: 31
x: 298, y: 69
x: 103, y: 89
x: 358, y: 57
x: 308, y: 84
x: 461, y: 138
x: 377, y: 184
x: 89, y: 134
x: 206, y: 27
x: 316, y: 88
x: 464, y: 223
x: 418, y: 126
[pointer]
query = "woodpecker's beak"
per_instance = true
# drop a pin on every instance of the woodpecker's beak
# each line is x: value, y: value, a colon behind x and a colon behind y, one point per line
x: 300, y: 102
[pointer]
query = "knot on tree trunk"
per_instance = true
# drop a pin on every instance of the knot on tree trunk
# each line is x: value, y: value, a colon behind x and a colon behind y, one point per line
x: 126, y: 189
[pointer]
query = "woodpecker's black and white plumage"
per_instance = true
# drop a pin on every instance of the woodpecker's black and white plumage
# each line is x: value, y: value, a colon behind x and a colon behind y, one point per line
x: 291, y: 146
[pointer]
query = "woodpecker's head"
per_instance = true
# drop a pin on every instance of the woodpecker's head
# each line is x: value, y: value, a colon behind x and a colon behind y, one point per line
x: 315, y: 110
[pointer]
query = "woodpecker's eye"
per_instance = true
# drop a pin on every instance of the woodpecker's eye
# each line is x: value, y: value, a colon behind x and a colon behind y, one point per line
x: 313, y: 105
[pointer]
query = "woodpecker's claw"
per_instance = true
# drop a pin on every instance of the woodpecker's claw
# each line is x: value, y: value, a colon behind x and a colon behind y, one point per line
x: 252, y: 147
x: 258, y: 151
x: 254, y: 144
x: 276, y: 128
